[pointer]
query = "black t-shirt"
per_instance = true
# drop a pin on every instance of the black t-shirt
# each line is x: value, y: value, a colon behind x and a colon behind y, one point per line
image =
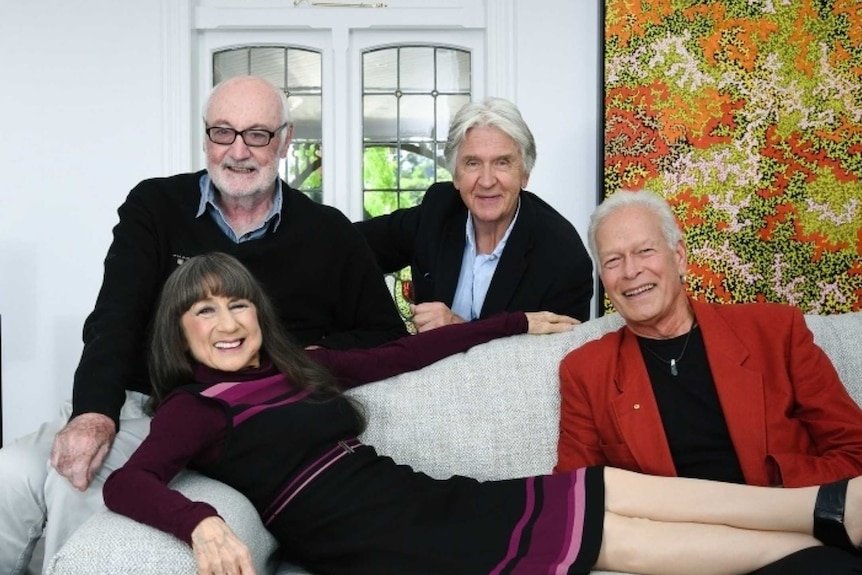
x: 690, y: 410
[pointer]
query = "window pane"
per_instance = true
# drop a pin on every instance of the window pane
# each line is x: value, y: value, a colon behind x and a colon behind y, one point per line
x: 303, y: 166
x: 380, y: 167
x: 416, y: 69
x: 447, y: 107
x: 453, y: 71
x: 380, y: 118
x: 303, y: 71
x: 268, y: 63
x: 443, y: 174
x: 305, y: 112
x: 229, y: 63
x: 416, y: 170
x: 380, y: 203
x: 416, y: 118
x: 380, y: 70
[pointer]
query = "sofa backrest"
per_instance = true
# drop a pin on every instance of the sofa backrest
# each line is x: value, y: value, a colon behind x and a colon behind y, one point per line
x: 840, y: 336
x: 493, y: 411
x: 489, y: 413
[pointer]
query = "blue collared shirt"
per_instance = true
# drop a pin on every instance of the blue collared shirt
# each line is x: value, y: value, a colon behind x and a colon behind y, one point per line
x: 208, y: 204
x: 477, y: 270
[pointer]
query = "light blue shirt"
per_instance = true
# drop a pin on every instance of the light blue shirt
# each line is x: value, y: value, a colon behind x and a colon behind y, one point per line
x: 208, y: 204
x: 477, y: 270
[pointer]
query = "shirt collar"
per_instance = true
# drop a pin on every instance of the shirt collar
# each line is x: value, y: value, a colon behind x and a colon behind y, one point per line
x: 470, y: 231
x: 208, y: 198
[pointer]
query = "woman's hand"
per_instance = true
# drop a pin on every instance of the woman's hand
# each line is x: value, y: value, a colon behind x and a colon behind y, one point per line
x: 548, y: 322
x: 218, y: 551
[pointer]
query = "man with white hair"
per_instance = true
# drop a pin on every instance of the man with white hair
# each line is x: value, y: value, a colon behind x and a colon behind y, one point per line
x: 482, y: 244
x: 736, y: 392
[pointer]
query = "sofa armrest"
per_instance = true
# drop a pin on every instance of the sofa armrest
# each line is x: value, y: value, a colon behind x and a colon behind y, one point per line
x: 109, y: 543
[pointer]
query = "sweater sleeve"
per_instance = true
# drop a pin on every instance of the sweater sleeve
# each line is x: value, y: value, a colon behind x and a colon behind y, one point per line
x: 358, y: 366
x: 183, y: 429
x: 115, y: 331
x: 367, y: 316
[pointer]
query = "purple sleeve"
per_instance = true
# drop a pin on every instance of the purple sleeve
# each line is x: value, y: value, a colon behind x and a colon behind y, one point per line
x: 357, y: 366
x: 184, y: 428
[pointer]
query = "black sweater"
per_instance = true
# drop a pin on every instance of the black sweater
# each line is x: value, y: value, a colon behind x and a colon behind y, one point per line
x: 315, y: 267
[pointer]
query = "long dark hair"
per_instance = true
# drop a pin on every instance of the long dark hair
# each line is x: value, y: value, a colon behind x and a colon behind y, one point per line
x: 218, y: 274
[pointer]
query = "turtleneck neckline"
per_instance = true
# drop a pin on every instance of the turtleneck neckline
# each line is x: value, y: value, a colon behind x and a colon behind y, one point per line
x: 209, y: 375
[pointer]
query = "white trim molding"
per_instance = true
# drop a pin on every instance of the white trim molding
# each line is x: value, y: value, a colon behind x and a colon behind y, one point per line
x: 177, y: 81
x: 501, y: 49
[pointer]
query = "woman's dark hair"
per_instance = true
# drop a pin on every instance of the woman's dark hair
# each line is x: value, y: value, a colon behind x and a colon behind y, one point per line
x: 218, y: 274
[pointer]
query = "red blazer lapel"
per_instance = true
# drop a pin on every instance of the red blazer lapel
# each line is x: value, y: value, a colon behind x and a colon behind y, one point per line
x: 740, y: 392
x: 637, y: 413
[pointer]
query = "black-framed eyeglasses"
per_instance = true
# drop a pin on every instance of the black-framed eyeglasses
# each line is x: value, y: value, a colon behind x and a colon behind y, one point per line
x: 252, y: 137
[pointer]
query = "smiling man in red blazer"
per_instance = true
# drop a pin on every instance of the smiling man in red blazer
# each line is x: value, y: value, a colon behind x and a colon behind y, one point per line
x: 737, y: 393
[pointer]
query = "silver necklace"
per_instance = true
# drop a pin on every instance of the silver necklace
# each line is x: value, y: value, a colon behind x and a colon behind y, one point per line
x: 673, y: 361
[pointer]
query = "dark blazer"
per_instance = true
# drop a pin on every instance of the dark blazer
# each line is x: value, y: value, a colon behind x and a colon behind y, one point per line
x: 790, y: 418
x: 544, y: 266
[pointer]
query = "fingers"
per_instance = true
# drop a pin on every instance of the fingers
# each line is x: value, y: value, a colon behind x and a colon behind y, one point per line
x: 80, y: 448
x: 542, y: 322
x: 96, y: 462
x: 433, y: 314
x: 218, y: 551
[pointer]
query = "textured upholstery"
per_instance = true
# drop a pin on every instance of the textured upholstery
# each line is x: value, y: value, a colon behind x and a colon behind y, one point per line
x: 491, y: 412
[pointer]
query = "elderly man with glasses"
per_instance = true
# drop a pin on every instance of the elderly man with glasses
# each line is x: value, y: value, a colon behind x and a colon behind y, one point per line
x: 313, y: 262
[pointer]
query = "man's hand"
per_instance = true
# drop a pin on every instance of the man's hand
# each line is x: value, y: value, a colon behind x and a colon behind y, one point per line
x: 218, y: 551
x: 433, y: 314
x: 539, y: 322
x: 80, y: 447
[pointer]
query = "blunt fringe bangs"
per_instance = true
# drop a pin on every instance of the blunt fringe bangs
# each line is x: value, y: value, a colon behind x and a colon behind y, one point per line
x: 221, y: 275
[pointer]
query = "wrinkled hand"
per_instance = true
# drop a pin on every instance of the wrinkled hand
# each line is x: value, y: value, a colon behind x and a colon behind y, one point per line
x: 539, y: 322
x: 218, y: 551
x: 81, y: 446
x: 433, y: 314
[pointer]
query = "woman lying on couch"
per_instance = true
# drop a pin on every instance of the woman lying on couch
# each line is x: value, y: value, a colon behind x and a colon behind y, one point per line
x: 238, y: 402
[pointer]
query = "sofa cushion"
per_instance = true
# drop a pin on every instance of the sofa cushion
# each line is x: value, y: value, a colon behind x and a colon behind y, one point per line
x: 839, y: 336
x: 112, y: 544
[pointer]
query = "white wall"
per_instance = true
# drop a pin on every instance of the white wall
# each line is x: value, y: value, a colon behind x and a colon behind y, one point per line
x: 82, y: 123
x: 558, y: 93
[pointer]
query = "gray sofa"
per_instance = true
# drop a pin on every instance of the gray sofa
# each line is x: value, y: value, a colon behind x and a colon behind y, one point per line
x: 489, y: 413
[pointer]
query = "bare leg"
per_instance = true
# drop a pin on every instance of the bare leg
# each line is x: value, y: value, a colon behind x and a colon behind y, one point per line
x: 674, y: 499
x: 657, y: 548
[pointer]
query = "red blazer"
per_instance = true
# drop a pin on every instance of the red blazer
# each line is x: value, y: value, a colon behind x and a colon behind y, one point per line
x: 790, y: 418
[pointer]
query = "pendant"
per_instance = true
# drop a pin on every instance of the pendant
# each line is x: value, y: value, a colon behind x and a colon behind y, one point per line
x: 673, y: 370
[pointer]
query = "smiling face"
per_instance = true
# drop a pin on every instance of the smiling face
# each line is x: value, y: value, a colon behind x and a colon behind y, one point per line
x: 489, y: 174
x: 641, y: 272
x: 239, y: 171
x: 223, y: 333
